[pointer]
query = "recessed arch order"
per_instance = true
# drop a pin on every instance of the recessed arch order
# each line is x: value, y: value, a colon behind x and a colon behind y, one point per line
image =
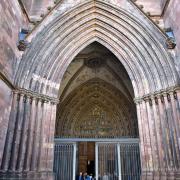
x: 138, y: 45
x: 140, y: 50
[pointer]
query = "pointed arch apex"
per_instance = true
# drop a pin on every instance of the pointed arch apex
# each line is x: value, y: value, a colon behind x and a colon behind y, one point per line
x: 134, y: 44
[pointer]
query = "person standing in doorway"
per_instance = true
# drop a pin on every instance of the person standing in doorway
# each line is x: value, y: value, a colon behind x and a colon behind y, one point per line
x: 80, y: 176
x: 86, y: 176
x: 91, y: 177
x: 105, y: 177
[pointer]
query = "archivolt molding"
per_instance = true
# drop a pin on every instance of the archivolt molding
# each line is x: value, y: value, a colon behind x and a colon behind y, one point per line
x: 148, y: 64
x: 65, y: 6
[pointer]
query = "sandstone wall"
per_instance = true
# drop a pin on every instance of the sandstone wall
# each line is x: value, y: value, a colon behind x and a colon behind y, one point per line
x: 5, y: 106
x: 171, y: 19
x: 27, y: 5
x: 162, y: 3
x: 12, y: 20
x: 37, y: 9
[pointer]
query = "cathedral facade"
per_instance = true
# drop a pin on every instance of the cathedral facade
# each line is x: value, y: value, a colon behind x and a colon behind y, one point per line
x: 90, y: 86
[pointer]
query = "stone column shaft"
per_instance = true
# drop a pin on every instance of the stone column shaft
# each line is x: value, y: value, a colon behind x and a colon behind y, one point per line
x: 45, y: 134
x: 22, y: 149
x: 142, y: 137
x: 50, y: 151
x: 36, y: 137
x: 159, y: 115
x: 17, y: 134
x: 175, y: 129
x: 29, y: 143
x: 161, y: 135
x: 10, y: 133
x: 158, y: 133
x: 171, y: 135
x: 177, y: 105
x: 30, y: 137
x: 42, y: 134
x: 147, y: 143
x: 153, y: 137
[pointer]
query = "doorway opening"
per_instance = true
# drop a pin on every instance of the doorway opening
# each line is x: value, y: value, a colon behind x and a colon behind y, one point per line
x: 117, y: 159
x: 96, y: 118
x: 86, y: 157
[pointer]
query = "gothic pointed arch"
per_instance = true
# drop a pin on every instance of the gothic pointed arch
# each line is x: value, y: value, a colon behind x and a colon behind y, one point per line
x: 144, y: 56
x: 141, y: 49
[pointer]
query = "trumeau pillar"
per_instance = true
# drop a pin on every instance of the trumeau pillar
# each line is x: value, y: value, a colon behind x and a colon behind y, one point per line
x: 28, y: 151
x: 159, y: 130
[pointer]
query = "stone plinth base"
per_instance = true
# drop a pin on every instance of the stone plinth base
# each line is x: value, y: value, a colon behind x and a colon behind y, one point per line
x: 161, y: 175
x: 27, y: 175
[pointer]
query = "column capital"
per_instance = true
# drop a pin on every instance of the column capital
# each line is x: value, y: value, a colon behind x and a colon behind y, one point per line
x: 37, y: 96
x: 161, y: 94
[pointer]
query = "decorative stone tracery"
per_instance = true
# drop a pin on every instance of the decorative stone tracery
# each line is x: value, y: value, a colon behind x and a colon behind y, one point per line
x: 96, y: 109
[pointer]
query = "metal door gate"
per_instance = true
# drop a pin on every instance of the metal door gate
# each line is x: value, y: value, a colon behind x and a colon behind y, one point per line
x: 118, y: 161
x: 65, y: 161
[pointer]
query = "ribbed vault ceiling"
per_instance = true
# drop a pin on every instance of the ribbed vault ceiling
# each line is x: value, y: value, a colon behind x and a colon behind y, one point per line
x: 109, y: 69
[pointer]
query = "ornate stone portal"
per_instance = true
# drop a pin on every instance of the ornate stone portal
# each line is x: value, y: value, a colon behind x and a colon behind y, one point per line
x: 137, y: 43
x: 94, y: 102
